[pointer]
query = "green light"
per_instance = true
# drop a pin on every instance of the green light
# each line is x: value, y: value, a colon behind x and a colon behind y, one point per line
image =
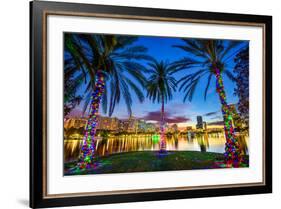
x: 87, y: 159
x: 155, y: 138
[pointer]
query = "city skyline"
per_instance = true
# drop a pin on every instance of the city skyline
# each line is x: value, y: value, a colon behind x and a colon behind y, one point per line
x: 79, y: 122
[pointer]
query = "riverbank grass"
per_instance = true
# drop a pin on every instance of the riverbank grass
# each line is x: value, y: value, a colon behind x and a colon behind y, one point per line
x: 144, y: 161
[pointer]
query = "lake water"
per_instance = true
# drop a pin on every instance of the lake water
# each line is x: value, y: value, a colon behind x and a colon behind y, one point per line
x: 204, y: 142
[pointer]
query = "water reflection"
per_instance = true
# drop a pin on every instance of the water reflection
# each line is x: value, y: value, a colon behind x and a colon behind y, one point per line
x: 109, y: 144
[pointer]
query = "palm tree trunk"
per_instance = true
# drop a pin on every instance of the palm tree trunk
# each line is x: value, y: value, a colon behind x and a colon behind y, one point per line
x: 232, y: 148
x: 88, y: 147
x: 162, y: 129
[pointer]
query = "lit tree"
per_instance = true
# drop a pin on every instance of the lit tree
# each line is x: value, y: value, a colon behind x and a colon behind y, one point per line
x: 160, y: 86
x: 210, y: 58
x: 110, y: 62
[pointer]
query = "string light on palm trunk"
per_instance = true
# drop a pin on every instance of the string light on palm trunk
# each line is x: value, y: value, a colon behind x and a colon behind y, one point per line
x: 86, y: 158
x: 162, y: 137
x: 232, y: 148
x: 162, y: 129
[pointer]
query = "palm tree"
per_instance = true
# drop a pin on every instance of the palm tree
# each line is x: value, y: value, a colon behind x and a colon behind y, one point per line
x: 210, y: 58
x: 160, y: 86
x: 110, y: 67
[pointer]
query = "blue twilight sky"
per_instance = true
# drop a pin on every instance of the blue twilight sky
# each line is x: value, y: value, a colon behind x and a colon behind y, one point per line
x: 161, y: 48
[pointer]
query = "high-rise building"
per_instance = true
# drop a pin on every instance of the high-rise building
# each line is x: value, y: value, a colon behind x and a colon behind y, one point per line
x: 103, y: 123
x: 123, y: 125
x: 75, y: 123
x: 107, y: 123
x: 150, y: 127
x: 204, y: 125
x: 114, y: 124
x: 141, y: 125
x: 133, y: 124
x: 199, y: 124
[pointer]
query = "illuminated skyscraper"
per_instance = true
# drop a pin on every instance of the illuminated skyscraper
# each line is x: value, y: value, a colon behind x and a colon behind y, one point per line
x: 199, y: 124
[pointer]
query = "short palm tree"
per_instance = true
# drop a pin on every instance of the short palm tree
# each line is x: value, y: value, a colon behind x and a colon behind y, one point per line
x: 110, y: 63
x: 160, y: 87
x: 210, y: 58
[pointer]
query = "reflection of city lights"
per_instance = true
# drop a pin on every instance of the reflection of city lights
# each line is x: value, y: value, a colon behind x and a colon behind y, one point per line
x: 144, y: 142
x: 155, y: 138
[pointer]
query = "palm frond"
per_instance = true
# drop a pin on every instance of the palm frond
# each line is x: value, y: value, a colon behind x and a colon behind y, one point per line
x: 231, y: 45
x: 113, y: 55
x: 136, y: 89
x: 86, y: 101
x: 190, y: 92
x: 230, y: 75
x: 186, y: 63
x: 124, y: 41
x: 207, y: 86
x: 104, y: 100
x: 185, y: 80
x: 203, y: 56
x: 161, y: 84
x: 127, y: 96
x: 115, y: 93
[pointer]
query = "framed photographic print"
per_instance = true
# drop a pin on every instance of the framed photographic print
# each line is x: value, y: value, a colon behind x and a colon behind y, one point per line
x: 139, y: 104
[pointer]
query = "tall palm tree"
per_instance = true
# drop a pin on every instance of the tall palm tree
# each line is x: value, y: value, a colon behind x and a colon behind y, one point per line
x: 210, y: 58
x: 111, y: 65
x: 160, y: 86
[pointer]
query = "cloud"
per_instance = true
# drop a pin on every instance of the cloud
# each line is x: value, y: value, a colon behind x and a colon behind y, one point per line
x: 210, y: 113
x: 155, y: 115
x: 179, y: 119
x: 169, y: 118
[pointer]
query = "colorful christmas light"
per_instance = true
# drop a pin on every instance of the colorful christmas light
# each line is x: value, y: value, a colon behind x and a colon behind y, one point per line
x: 88, y: 148
x: 162, y: 133
x: 232, y: 148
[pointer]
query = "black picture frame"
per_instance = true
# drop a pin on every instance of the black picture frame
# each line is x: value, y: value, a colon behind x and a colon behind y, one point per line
x: 38, y: 12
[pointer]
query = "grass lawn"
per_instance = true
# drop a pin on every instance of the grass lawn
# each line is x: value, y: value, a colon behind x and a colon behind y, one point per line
x: 150, y: 161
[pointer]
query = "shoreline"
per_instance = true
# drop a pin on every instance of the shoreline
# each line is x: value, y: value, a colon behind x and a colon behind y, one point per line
x: 151, y: 161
